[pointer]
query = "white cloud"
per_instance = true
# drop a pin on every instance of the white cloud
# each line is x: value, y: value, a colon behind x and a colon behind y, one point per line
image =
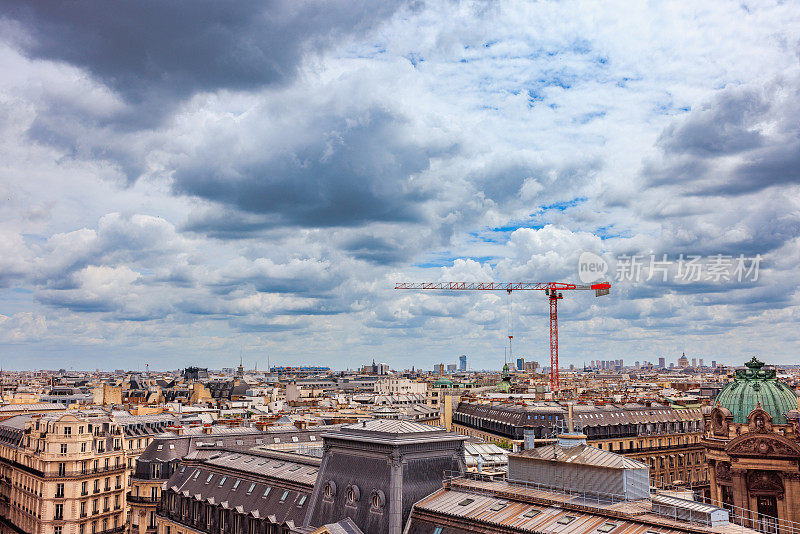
x: 445, y: 141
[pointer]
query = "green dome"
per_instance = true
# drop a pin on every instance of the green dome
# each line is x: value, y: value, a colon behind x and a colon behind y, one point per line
x: 753, y: 386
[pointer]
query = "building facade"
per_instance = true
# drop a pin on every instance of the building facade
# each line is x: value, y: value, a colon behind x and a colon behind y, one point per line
x: 668, y: 440
x: 65, y: 474
x: 753, y: 448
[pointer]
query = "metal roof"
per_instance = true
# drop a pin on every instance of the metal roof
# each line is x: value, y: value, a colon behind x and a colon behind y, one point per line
x: 580, y: 454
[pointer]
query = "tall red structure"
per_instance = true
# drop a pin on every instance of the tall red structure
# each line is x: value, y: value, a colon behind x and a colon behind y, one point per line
x: 553, y: 290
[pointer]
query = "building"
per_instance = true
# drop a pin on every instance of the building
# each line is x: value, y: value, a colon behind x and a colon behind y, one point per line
x: 438, y: 368
x: 157, y: 464
x: 694, y: 362
x: 368, y: 478
x: 195, y: 373
x: 64, y: 473
x: 520, y: 364
x: 664, y: 438
x: 683, y: 361
x: 451, y: 368
x: 753, y: 447
x: 462, y: 363
x: 301, y: 371
x: 566, y: 487
x: 400, y: 386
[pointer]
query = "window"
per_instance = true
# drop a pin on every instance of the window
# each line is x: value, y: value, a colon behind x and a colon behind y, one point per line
x: 83, y: 449
x: 283, y: 497
x: 59, y: 514
x: 250, y: 489
x: 466, y: 502
x: 266, y: 492
x: 533, y: 512
x: 222, y: 481
x: 236, y: 484
x: 606, y: 527
x: 57, y: 530
x: 59, y: 490
x: 62, y: 469
x: 497, y: 507
x: 437, y: 530
x: 67, y: 430
x: 209, y: 478
x: 63, y: 448
x: 566, y: 520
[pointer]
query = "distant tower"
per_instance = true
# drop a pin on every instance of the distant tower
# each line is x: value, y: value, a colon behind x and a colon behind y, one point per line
x: 240, y: 369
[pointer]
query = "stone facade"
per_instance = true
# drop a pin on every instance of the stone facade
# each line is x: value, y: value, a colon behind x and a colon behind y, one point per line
x: 754, y: 465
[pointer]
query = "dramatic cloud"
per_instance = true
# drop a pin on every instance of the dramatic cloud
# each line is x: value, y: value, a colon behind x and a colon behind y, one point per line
x: 180, y: 182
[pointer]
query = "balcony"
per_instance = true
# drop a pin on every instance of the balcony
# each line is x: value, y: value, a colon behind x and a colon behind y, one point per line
x: 142, y: 499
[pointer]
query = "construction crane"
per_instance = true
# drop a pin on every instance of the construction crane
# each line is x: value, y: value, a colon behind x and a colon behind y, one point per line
x: 553, y: 290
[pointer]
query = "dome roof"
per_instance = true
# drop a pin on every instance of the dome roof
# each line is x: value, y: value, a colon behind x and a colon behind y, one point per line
x: 753, y: 386
x: 443, y: 382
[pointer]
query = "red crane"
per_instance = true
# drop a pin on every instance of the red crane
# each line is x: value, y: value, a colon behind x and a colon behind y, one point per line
x: 552, y: 289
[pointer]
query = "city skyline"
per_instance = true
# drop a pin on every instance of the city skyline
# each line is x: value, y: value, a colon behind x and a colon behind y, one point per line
x: 179, y: 189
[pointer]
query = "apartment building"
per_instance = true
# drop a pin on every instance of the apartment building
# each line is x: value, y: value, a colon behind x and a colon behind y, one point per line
x: 668, y: 440
x: 66, y: 474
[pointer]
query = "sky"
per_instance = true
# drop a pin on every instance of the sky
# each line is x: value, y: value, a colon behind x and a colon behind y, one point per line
x: 185, y: 183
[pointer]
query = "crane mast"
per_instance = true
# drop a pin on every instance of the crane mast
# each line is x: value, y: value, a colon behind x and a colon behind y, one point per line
x: 553, y: 290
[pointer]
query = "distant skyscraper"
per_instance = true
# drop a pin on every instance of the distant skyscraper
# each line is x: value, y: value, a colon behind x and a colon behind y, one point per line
x: 694, y: 362
x: 714, y: 364
x: 462, y: 363
x: 701, y: 362
x: 662, y: 363
x: 636, y: 364
x: 438, y: 368
x: 451, y: 368
x: 520, y: 364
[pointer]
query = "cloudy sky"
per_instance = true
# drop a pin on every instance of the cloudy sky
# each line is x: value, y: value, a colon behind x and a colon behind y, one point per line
x: 183, y: 182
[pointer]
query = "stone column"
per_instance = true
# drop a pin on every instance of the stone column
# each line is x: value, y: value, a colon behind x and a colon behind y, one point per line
x: 396, y: 494
x: 741, y: 499
x: 716, y: 493
x: 791, y: 491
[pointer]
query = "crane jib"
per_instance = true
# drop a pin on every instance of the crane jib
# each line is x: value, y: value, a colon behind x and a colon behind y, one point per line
x: 553, y: 292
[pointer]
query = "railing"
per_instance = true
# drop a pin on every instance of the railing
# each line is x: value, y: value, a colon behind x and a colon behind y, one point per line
x: 606, y: 503
x: 619, y: 505
x: 744, y: 517
x: 142, y: 499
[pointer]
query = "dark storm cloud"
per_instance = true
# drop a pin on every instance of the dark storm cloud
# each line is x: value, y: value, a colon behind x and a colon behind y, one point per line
x: 725, y: 126
x: 159, y: 52
x: 760, y: 126
x: 375, y: 250
x: 357, y: 170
